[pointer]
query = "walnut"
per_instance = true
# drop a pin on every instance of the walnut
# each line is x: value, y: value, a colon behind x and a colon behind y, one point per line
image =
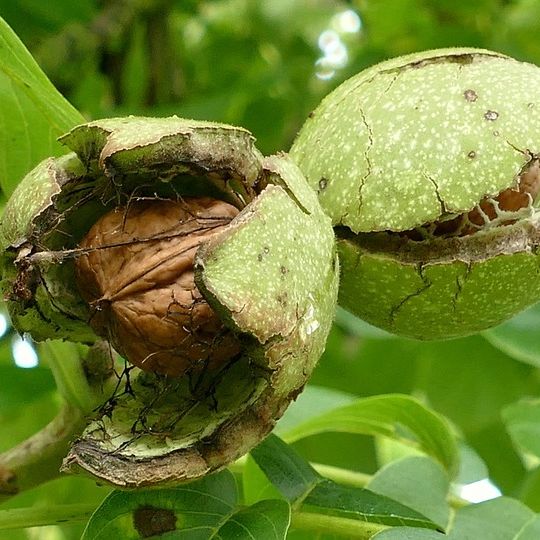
x: 136, y: 273
x: 141, y: 278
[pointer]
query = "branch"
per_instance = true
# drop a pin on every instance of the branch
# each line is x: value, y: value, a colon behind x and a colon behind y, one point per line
x: 84, y: 383
x: 38, y: 459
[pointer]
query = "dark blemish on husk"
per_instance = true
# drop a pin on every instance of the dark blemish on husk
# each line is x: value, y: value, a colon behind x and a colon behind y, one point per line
x: 261, y: 255
x: 284, y: 270
x: 462, y: 59
x: 471, y: 154
x: 323, y: 182
x: 282, y: 299
x: 150, y: 521
x: 470, y: 95
x: 496, y: 133
x: 530, y: 105
x: 491, y: 116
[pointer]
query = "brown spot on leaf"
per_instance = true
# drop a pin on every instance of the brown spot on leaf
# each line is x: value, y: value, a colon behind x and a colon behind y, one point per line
x: 470, y: 95
x: 491, y: 116
x: 151, y: 521
x: 471, y: 154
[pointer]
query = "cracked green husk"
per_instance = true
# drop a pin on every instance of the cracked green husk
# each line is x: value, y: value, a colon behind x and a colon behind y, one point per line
x: 412, y: 141
x: 271, y: 276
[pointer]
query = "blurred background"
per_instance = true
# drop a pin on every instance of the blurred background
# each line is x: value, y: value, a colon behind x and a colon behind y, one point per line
x: 262, y: 64
x: 265, y: 65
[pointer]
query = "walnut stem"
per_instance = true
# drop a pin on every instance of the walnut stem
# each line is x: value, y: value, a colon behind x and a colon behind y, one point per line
x: 37, y: 459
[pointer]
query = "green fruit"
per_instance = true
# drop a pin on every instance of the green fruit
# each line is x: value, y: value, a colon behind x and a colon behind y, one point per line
x: 428, y: 166
x: 269, y: 275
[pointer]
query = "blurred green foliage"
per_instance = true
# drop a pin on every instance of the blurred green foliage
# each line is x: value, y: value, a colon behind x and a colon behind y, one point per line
x: 265, y: 65
x: 246, y: 62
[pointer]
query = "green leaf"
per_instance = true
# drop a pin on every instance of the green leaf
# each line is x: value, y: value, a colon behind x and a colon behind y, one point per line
x: 330, y: 498
x: 518, y: 337
x: 268, y: 519
x: 471, y: 466
x: 408, y: 533
x: 255, y: 484
x: 397, y: 416
x: 390, y: 450
x: 522, y: 421
x: 301, y: 484
x: 312, y: 402
x: 498, y: 519
x: 32, y: 112
x: 506, y: 467
x: 531, y: 531
x: 204, y: 509
x: 469, y: 381
x: 20, y: 518
x: 289, y: 472
x: 417, y: 482
x: 529, y: 492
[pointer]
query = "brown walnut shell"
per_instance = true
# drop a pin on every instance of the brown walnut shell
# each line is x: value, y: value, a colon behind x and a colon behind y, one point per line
x: 136, y: 273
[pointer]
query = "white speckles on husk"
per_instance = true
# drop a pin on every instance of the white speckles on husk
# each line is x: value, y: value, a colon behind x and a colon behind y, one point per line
x: 395, y: 141
x: 263, y: 241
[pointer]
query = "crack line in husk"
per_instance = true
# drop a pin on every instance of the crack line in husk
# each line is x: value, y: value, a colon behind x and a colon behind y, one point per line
x: 366, y: 155
x: 426, y: 285
x: 370, y: 144
x: 437, y: 194
x: 460, y: 283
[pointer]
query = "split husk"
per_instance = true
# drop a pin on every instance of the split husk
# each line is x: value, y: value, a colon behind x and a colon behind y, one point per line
x: 270, y: 275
